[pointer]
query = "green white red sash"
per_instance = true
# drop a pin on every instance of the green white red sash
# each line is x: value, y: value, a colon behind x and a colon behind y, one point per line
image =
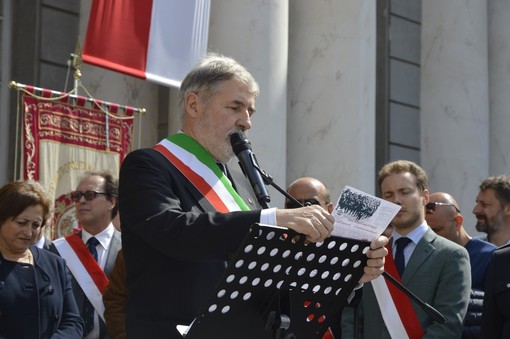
x: 396, y: 308
x: 85, y: 269
x: 200, y: 168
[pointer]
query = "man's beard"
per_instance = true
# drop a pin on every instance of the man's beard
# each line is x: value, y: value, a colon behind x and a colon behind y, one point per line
x: 225, y: 148
x: 221, y: 143
x: 407, y: 221
x: 490, y: 226
x: 481, y: 226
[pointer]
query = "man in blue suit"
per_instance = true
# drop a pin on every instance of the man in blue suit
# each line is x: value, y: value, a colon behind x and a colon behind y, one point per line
x: 432, y: 267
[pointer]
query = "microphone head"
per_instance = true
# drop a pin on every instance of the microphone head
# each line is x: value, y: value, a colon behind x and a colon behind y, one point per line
x: 239, y: 142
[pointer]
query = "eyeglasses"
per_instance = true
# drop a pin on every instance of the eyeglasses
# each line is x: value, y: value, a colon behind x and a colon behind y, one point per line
x: 305, y: 202
x: 89, y: 195
x: 431, y: 206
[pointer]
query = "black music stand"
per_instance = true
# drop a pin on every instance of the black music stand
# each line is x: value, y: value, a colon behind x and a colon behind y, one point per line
x: 278, y: 286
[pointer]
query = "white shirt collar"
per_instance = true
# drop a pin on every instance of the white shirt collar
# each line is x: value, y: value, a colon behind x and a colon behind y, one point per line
x: 40, y: 242
x: 104, y: 237
x: 415, y: 235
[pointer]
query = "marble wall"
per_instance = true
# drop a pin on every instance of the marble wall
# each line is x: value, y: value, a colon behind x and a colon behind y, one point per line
x: 255, y: 33
x: 455, y: 99
x: 331, y: 111
x: 499, y: 86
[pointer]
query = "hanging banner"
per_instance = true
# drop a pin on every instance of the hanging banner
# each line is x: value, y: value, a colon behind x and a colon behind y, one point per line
x: 63, y: 139
x: 157, y: 40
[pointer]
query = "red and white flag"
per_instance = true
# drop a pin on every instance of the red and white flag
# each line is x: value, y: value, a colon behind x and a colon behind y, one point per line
x: 157, y: 40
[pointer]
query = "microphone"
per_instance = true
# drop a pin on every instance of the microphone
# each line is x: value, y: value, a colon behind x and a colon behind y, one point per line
x: 250, y: 167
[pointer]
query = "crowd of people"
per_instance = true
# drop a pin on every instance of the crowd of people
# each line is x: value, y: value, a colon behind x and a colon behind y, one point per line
x: 184, y: 211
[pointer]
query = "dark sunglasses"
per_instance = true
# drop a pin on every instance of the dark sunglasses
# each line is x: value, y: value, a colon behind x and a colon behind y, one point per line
x: 431, y: 206
x: 89, y: 195
x: 306, y: 202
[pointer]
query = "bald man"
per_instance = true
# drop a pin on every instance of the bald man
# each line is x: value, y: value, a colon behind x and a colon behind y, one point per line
x: 443, y: 216
x: 309, y: 191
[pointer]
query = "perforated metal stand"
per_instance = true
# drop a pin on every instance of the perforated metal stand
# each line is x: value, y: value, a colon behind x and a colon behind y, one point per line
x: 278, y: 286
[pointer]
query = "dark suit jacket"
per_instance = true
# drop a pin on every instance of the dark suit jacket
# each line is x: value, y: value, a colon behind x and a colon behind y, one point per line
x: 38, y: 308
x: 438, y: 272
x: 496, y: 303
x: 48, y: 245
x: 115, y: 300
x: 175, y: 244
x: 115, y: 246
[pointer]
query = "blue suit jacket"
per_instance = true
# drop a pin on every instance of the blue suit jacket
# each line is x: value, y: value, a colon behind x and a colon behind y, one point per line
x: 438, y: 272
x: 31, y: 308
x: 175, y: 243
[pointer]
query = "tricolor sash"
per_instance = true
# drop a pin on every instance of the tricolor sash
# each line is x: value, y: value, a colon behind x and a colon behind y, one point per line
x: 200, y: 168
x: 396, y: 308
x: 84, y: 268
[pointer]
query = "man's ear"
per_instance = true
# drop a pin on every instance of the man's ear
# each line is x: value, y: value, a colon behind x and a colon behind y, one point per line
x: 425, y: 197
x: 506, y: 209
x: 113, y: 201
x: 329, y: 207
x: 459, y: 219
x: 191, y: 104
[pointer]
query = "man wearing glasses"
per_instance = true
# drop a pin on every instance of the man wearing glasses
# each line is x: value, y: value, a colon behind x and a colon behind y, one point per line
x: 444, y: 217
x: 90, y: 254
x: 309, y: 191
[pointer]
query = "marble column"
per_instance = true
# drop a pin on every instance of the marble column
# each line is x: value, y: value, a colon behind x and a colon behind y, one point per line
x: 331, y: 112
x: 454, y: 99
x: 499, y: 85
x: 255, y: 33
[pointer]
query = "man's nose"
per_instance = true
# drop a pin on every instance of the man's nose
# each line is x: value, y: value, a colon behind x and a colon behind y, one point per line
x: 245, y: 122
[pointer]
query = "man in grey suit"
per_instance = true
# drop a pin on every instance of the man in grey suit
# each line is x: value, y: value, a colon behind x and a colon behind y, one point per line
x: 433, y: 268
x: 96, y: 205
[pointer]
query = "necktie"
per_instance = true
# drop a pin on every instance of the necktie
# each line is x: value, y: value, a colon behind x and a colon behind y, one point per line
x: 88, y: 309
x: 91, y: 245
x: 399, y: 254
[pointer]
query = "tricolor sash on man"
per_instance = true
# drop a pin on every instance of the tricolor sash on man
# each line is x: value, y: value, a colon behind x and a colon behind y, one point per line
x: 396, y: 308
x: 200, y: 168
x: 84, y: 268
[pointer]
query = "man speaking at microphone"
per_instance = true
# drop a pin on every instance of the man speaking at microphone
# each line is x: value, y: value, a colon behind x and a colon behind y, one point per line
x: 184, y: 213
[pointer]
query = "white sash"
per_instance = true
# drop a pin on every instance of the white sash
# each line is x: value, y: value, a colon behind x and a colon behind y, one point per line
x: 81, y: 275
x: 388, y: 309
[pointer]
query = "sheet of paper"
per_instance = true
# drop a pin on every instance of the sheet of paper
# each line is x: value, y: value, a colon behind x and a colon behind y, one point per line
x: 361, y: 216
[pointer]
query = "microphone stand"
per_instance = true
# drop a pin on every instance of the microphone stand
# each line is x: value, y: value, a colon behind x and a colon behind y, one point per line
x: 268, y: 180
x: 431, y: 311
